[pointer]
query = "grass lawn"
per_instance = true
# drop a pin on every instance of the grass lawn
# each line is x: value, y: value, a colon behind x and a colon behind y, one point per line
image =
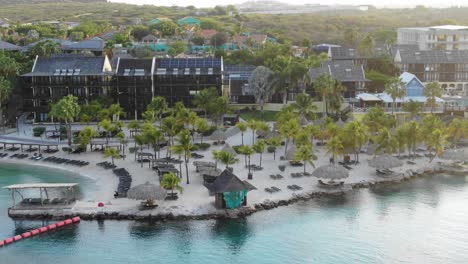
x: 267, y: 115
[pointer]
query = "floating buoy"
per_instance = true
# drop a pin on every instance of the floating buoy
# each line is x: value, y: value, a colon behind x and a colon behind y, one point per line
x: 39, y: 231
x: 100, y: 204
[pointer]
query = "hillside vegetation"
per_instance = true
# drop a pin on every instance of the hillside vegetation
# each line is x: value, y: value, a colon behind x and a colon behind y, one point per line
x: 318, y: 28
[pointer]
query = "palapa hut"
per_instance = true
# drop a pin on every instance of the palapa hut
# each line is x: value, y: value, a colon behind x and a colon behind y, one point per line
x: 230, y: 191
x: 229, y: 149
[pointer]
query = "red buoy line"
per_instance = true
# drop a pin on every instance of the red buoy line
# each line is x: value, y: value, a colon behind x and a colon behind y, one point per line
x: 40, y: 230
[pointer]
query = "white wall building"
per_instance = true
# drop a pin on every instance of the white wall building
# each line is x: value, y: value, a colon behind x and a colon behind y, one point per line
x: 447, y: 37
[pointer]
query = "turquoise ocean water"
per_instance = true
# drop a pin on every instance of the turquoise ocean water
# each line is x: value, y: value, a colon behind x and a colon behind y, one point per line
x: 423, y: 221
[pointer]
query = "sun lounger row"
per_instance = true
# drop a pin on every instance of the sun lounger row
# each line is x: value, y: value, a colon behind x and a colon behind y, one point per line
x: 19, y: 156
x: 12, y: 149
x: 106, y: 165
x: 125, y: 182
x: 197, y: 156
x: 272, y: 189
x: 300, y: 174
x: 255, y: 167
x: 294, y: 187
x: 169, y: 160
x: 57, y: 160
x: 2, y: 155
x: 276, y: 177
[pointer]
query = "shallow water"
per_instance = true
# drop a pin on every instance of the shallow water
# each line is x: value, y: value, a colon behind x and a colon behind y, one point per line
x: 423, y: 221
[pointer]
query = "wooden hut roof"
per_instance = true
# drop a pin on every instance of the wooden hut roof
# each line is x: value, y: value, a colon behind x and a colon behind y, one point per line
x: 228, y: 182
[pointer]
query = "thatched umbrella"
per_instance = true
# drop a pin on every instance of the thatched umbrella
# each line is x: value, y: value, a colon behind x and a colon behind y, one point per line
x: 272, y: 134
x: 456, y: 154
x: 147, y: 191
x: 340, y: 123
x: 218, y: 135
x: 385, y: 162
x: 291, y: 152
x: 331, y: 172
x: 229, y: 149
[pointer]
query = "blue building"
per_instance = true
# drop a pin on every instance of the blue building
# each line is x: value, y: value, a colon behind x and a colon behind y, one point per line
x: 414, y: 87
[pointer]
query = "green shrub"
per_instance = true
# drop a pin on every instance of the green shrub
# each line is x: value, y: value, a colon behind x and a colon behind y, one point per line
x: 271, y: 149
x: 38, y: 131
x: 210, y: 131
x: 202, y: 146
x: 237, y: 148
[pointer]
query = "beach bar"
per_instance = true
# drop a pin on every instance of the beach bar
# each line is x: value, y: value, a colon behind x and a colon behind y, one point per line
x: 230, y: 191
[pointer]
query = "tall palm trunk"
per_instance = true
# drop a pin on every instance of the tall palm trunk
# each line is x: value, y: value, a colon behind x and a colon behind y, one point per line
x: 186, y: 168
x: 242, y: 137
x: 261, y: 159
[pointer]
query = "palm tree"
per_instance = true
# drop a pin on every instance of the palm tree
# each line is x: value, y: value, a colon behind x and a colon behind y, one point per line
x: 253, y: 125
x: 67, y: 110
x: 123, y: 142
x: 274, y: 142
x: 400, y: 139
x: 204, y: 99
x: 5, y: 92
x: 259, y: 147
x: 306, y: 155
x: 140, y: 140
x: 202, y: 127
x: 457, y: 130
x: 158, y: 105
x: 437, y: 141
x: 432, y: 91
x: 395, y: 87
x: 247, y: 151
x: 116, y: 111
x: 171, y: 127
x: 242, y: 127
x: 112, y: 153
x: 227, y: 158
x: 335, y: 147
x: 134, y: 126
x: 106, y: 124
x: 412, y: 107
x: 304, y: 105
x: 412, y: 132
x: 356, y: 133
x: 154, y: 137
x: 215, y: 156
x: 323, y: 86
x: 171, y: 181
x: 385, y: 141
x: 289, y: 130
x: 184, y: 147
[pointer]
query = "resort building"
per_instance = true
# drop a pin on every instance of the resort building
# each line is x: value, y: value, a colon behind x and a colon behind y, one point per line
x: 181, y: 79
x: 95, y: 46
x: 351, y: 75
x: 449, y: 68
x: 337, y: 53
x: 414, y: 93
x: 447, y: 37
x: 51, y: 78
x: 133, y: 84
x: 236, y: 79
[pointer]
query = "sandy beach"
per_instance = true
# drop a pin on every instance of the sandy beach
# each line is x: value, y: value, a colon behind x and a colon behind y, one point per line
x: 195, y: 199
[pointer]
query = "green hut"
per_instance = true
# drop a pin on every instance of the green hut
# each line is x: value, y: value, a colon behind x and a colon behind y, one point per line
x: 230, y: 191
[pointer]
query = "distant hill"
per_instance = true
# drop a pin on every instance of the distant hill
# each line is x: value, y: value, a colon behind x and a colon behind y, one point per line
x: 275, y: 7
x: 19, y: 2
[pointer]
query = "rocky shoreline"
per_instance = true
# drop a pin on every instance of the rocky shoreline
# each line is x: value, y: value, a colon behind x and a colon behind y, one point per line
x: 244, y: 211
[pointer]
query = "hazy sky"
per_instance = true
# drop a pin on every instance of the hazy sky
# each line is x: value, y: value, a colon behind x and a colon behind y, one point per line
x: 380, y: 3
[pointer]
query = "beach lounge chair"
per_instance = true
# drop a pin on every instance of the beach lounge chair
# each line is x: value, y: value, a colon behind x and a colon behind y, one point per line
x: 279, y: 176
x: 275, y: 189
x: 268, y: 190
x: 411, y: 162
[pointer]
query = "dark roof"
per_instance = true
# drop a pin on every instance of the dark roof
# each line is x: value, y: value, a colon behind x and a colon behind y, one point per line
x: 62, y: 42
x: 228, y: 182
x: 343, y: 71
x: 343, y: 53
x: 238, y: 72
x: 68, y: 65
x: 433, y: 56
x: 8, y: 46
x: 191, y: 66
x: 134, y: 67
x: 91, y: 45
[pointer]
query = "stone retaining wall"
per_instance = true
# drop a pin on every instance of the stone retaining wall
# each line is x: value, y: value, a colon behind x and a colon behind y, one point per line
x: 240, y: 212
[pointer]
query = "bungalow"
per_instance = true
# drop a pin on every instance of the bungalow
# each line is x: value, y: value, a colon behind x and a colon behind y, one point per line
x: 357, y: 57
x: 96, y: 46
x: 149, y: 39
x: 207, y: 34
x: 230, y: 191
x: 350, y: 75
